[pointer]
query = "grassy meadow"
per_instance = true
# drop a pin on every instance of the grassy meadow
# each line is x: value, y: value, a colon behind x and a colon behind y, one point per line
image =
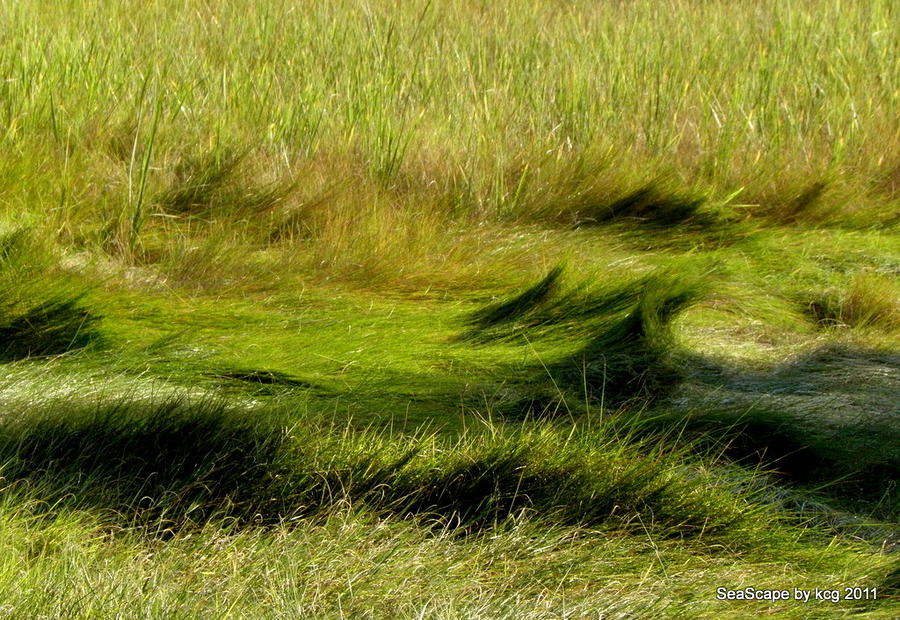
x: 463, y: 309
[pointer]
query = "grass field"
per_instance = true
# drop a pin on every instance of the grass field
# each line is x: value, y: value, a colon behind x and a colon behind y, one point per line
x: 472, y: 309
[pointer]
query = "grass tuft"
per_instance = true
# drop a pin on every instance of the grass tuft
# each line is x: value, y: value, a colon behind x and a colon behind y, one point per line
x: 264, y: 377
x: 50, y: 327
x: 39, y: 316
x: 646, y: 206
x: 629, y: 357
x: 165, y: 462
x: 627, y: 353
x: 169, y: 463
x: 869, y: 301
x: 218, y: 183
x: 520, y: 305
x: 245, y: 216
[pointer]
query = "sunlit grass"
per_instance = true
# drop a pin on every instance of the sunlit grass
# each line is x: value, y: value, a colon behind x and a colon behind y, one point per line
x: 513, y: 309
x: 241, y: 134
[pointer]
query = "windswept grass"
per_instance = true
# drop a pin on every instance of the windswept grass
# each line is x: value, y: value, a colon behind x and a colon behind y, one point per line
x: 213, y: 185
x: 630, y: 357
x: 629, y: 346
x: 868, y: 301
x: 281, y: 332
x: 50, y: 327
x: 644, y: 206
x: 168, y: 492
x: 39, y: 316
x: 356, y: 564
x: 168, y: 463
x: 430, y: 118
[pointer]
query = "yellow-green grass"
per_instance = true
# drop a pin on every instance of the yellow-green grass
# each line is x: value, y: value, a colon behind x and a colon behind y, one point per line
x: 355, y: 136
x: 469, y: 309
x: 353, y: 564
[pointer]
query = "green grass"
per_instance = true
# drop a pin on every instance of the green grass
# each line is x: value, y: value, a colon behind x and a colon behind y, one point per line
x: 187, y: 494
x: 513, y: 309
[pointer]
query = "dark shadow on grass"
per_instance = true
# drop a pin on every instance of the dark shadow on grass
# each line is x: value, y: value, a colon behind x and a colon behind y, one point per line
x: 49, y: 327
x: 648, y: 206
x: 626, y: 355
x: 546, y: 308
x: 212, y: 183
x: 629, y: 357
x: 162, y: 466
x: 519, y: 306
x: 40, y: 314
x: 167, y: 462
x: 830, y: 417
x: 261, y: 378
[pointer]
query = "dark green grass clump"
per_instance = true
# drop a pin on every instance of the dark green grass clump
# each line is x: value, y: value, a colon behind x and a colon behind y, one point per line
x: 625, y: 329
x: 168, y: 464
x: 517, y: 307
x: 169, y: 460
x: 50, y: 327
x: 648, y: 206
x: 869, y: 300
x: 39, y: 315
x: 213, y: 183
x: 546, y: 309
x: 261, y: 379
x: 629, y: 357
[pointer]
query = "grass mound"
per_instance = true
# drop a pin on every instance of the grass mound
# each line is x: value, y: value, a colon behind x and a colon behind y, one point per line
x: 144, y: 460
x: 261, y: 378
x: 545, y: 309
x: 163, y: 465
x: 629, y: 356
x: 214, y: 183
x: 868, y: 301
x: 627, y: 353
x: 517, y: 307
